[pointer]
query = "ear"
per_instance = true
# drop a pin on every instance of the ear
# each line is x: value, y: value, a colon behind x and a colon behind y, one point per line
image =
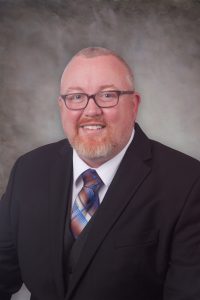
x: 136, y: 101
x: 59, y: 101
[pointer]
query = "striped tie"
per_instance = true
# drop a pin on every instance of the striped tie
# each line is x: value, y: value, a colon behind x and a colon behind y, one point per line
x: 86, y: 202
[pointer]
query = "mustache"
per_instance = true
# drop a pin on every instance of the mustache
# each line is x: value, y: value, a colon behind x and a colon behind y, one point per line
x: 92, y: 120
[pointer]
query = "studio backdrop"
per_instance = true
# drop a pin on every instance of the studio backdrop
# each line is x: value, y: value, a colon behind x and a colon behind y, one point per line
x: 159, y: 39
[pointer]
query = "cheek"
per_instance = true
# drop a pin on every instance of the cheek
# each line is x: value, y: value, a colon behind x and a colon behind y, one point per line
x: 120, y: 118
x: 69, y: 121
x: 111, y: 116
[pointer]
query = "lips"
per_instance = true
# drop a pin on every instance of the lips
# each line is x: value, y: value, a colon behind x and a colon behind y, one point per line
x: 92, y: 126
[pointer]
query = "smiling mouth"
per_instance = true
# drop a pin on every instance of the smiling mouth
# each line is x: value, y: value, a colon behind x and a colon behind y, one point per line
x: 93, y: 126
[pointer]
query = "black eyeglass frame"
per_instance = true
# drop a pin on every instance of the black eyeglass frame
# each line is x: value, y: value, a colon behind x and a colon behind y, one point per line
x: 119, y: 93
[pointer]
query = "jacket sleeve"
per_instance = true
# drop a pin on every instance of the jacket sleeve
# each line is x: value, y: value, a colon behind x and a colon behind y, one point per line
x: 10, y: 278
x: 183, y: 277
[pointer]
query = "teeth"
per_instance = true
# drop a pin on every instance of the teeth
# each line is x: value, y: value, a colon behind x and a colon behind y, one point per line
x: 92, y: 127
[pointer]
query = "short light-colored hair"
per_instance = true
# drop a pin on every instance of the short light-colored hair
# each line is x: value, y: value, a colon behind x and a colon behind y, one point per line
x: 100, y: 51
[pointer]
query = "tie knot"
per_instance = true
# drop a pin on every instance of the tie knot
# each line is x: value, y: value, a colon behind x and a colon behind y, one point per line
x: 91, y: 179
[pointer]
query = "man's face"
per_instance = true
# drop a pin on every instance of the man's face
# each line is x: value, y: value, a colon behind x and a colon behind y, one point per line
x: 98, y: 134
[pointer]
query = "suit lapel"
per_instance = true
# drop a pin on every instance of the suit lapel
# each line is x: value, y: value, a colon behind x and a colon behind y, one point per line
x: 130, y: 175
x: 59, y: 193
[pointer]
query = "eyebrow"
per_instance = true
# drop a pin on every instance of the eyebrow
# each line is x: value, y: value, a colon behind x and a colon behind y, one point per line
x: 107, y: 86
x: 77, y: 88
x: 73, y: 88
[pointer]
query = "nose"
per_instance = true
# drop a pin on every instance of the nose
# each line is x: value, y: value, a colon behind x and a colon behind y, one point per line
x: 92, y: 109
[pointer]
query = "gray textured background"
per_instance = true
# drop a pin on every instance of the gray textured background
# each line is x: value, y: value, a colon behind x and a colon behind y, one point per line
x: 161, y: 39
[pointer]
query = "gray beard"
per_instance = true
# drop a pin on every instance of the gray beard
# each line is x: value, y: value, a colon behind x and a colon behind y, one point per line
x: 92, y: 152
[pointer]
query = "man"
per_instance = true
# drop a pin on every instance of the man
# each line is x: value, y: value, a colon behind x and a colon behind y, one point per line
x: 113, y: 216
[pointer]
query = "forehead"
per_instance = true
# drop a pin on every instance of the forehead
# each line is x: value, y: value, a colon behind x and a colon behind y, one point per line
x: 92, y: 73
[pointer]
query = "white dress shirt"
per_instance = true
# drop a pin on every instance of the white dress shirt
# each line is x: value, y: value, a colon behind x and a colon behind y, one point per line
x: 106, y: 171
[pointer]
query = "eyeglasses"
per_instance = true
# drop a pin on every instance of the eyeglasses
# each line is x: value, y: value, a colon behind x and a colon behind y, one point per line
x: 104, y: 99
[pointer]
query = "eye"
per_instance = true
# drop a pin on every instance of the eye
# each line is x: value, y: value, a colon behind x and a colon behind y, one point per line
x: 78, y: 96
x: 75, y: 97
x: 108, y: 95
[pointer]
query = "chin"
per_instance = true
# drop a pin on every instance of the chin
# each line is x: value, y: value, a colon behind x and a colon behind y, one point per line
x: 93, y: 150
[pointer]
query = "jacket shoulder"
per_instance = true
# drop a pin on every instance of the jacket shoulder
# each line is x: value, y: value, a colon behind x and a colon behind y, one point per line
x: 46, y: 153
x: 173, y: 159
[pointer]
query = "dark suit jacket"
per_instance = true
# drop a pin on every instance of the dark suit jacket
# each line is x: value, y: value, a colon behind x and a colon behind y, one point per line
x: 144, y: 242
